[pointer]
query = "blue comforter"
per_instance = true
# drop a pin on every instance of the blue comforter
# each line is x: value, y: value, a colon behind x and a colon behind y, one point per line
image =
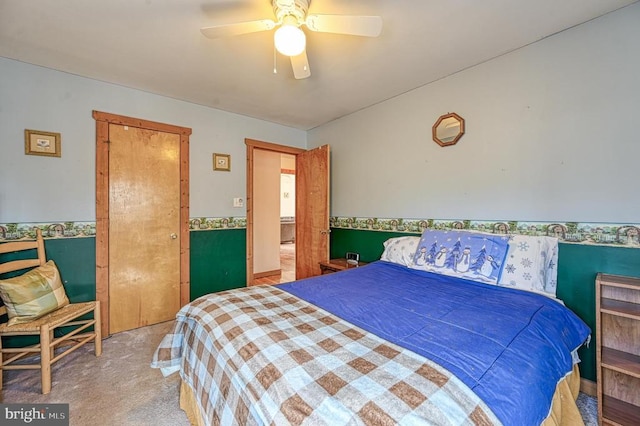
x: 510, y: 347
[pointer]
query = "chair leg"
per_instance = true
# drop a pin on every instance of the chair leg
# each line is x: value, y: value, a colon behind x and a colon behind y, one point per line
x: 97, y: 328
x: 45, y: 358
x: 1, y: 364
x: 53, y: 349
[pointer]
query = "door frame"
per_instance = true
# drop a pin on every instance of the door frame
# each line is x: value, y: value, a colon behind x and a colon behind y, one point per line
x: 103, y: 120
x: 252, y: 145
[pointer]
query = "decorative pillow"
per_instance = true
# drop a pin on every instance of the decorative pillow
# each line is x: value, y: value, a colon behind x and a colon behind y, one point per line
x: 466, y: 254
x: 531, y: 264
x: 400, y: 250
x: 33, y: 294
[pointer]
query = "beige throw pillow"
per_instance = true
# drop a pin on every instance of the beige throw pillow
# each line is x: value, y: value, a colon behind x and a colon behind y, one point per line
x: 33, y: 294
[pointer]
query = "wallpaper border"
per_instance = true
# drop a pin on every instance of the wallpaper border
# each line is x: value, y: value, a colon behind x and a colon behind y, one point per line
x: 606, y: 234
x: 18, y: 231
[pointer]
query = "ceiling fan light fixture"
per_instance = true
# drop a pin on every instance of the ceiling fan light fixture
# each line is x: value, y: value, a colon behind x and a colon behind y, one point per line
x: 290, y: 40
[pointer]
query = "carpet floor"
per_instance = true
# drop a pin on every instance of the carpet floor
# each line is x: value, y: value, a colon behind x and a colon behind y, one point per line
x: 117, y: 388
x: 120, y: 388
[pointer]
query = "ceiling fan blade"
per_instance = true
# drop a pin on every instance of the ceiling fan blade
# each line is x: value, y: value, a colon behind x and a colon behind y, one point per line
x: 367, y: 26
x: 300, y: 65
x: 239, y: 28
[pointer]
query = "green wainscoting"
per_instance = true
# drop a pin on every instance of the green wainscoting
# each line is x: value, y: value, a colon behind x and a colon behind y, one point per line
x: 368, y: 243
x: 76, y: 260
x: 577, y: 268
x: 218, y: 261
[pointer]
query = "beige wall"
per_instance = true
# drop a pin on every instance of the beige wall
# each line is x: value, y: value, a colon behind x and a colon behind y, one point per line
x: 288, y: 187
x: 550, y: 136
x: 41, y: 98
x: 266, y: 211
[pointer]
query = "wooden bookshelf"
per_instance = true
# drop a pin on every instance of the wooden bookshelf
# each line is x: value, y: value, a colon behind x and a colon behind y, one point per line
x: 618, y: 349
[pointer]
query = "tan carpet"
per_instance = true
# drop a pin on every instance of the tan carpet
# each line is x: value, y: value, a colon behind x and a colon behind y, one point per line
x: 118, y: 388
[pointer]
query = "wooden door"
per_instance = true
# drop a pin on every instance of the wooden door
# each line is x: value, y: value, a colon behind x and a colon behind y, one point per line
x: 142, y: 227
x: 312, y: 211
x: 312, y: 206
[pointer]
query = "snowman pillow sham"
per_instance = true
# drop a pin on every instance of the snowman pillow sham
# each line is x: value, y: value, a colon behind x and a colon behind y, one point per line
x: 464, y: 254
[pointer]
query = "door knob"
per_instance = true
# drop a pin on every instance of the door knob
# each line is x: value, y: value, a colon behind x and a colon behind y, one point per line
x: 325, y: 231
x: 174, y: 235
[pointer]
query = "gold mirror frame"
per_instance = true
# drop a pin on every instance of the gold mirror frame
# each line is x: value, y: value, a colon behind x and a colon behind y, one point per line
x: 448, y: 129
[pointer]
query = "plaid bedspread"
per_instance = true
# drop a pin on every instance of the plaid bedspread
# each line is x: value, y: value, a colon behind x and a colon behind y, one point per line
x: 259, y: 355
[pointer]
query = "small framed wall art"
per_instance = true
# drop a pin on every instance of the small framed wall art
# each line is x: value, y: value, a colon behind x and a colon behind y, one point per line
x: 222, y: 162
x: 37, y: 142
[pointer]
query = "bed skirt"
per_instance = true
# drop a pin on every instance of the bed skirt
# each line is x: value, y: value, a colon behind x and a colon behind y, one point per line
x: 564, y: 411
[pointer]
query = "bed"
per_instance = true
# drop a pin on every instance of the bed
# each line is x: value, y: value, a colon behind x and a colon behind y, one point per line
x: 392, y: 342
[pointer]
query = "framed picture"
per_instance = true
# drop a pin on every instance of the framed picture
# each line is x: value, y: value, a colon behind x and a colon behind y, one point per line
x: 37, y: 142
x: 222, y: 162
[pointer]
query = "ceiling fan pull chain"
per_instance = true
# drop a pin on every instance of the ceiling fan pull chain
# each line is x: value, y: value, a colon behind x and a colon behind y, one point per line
x: 275, y: 60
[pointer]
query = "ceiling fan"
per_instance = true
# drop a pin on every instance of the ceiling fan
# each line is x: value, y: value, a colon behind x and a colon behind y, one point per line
x: 289, y: 39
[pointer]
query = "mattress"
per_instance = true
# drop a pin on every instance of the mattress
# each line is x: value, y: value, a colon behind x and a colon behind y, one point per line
x: 509, y: 346
x: 374, y: 344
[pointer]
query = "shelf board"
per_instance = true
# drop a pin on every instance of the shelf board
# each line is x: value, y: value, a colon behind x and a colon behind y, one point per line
x: 620, y: 361
x: 620, y: 281
x: 620, y: 412
x: 620, y: 308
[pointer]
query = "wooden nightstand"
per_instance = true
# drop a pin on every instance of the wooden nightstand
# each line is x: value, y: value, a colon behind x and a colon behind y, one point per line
x: 337, y: 265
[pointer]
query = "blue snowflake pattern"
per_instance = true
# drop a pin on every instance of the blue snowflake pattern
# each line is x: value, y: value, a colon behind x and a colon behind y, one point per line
x: 526, y: 276
x: 552, y: 265
x: 523, y: 246
x: 509, y: 268
x: 526, y: 262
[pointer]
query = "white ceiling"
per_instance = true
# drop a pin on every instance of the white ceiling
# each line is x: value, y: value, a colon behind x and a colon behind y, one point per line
x: 156, y: 46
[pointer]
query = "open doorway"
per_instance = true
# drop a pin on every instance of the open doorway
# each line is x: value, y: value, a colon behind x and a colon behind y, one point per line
x: 287, y: 218
x: 271, y: 213
x: 311, y: 208
x: 281, y: 268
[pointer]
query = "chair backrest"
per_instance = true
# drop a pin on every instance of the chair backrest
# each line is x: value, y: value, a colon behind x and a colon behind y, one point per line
x: 16, y: 265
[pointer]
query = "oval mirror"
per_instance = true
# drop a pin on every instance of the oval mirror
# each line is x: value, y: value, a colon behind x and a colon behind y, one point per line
x: 448, y: 129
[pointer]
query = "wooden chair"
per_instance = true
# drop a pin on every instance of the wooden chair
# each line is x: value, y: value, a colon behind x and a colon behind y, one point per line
x: 66, y: 316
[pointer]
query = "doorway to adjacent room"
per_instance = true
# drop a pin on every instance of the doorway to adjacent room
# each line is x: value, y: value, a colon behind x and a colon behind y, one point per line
x: 265, y: 222
x: 274, y: 217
